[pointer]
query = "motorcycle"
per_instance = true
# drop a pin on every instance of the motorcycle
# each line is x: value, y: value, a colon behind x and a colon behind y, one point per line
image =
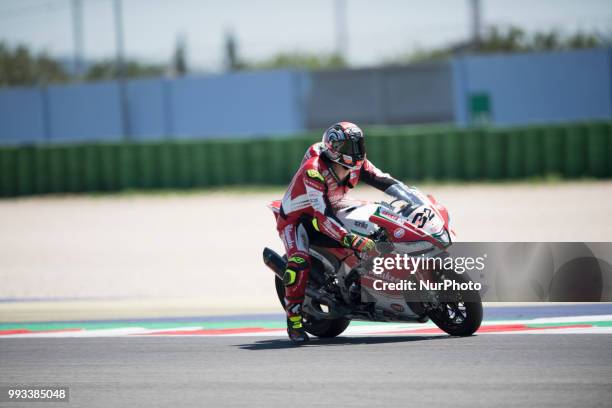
x: 342, y: 286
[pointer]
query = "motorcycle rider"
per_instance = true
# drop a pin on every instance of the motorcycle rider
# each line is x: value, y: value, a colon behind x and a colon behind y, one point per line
x: 327, y: 172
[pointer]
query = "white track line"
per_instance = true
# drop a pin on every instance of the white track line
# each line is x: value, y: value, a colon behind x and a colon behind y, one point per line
x: 355, y: 330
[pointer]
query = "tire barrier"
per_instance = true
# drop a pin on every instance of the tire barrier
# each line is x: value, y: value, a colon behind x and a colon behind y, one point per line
x: 575, y: 150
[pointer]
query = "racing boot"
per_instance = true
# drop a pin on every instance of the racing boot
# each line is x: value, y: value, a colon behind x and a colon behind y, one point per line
x: 295, y: 330
x: 294, y: 280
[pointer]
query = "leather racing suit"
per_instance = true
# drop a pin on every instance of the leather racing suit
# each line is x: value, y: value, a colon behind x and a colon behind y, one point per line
x: 312, y: 196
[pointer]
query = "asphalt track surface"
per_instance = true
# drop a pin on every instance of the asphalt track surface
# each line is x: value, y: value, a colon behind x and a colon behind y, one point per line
x: 495, y: 370
x: 483, y: 370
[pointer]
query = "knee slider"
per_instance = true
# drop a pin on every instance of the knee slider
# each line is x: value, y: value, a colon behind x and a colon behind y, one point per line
x: 289, y: 277
x: 295, y: 265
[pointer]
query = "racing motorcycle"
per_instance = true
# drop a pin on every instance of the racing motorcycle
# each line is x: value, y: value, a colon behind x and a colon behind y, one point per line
x: 342, y: 286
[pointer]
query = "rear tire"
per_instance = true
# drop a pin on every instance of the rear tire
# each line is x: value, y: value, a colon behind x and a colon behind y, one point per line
x: 324, y: 328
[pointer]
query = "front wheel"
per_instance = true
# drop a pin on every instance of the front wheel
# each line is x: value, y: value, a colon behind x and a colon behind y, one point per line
x: 325, y: 328
x: 461, y: 317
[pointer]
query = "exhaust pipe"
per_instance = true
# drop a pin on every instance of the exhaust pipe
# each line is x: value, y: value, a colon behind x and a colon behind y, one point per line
x: 274, y: 261
x: 277, y: 264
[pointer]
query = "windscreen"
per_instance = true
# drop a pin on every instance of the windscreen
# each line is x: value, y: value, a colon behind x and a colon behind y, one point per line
x: 402, y: 192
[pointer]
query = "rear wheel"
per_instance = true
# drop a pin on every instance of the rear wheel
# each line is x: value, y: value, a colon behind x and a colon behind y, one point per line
x: 325, y: 328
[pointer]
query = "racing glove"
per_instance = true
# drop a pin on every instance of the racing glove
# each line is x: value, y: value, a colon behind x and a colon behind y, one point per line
x: 358, y: 243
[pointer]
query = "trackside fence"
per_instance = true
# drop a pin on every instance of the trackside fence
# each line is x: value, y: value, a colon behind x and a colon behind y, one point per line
x: 577, y: 150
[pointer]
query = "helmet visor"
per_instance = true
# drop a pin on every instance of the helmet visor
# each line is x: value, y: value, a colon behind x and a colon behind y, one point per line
x: 354, y: 148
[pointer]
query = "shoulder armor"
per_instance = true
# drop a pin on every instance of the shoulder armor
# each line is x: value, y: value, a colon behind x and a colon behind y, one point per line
x: 314, y: 174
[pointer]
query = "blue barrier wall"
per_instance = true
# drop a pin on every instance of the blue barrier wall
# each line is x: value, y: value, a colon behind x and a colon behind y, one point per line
x: 240, y: 104
x: 518, y: 89
x: 22, y: 115
x: 85, y: 111
x: 536, y: 87
x: 149, y: 116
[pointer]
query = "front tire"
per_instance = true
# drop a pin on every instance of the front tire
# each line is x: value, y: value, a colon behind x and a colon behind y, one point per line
x: 324, y: 328
x: 461, y: 317
x: 445, y: 318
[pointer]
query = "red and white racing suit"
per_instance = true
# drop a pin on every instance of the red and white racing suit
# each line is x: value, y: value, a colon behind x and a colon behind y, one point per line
x: 312, y: 196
